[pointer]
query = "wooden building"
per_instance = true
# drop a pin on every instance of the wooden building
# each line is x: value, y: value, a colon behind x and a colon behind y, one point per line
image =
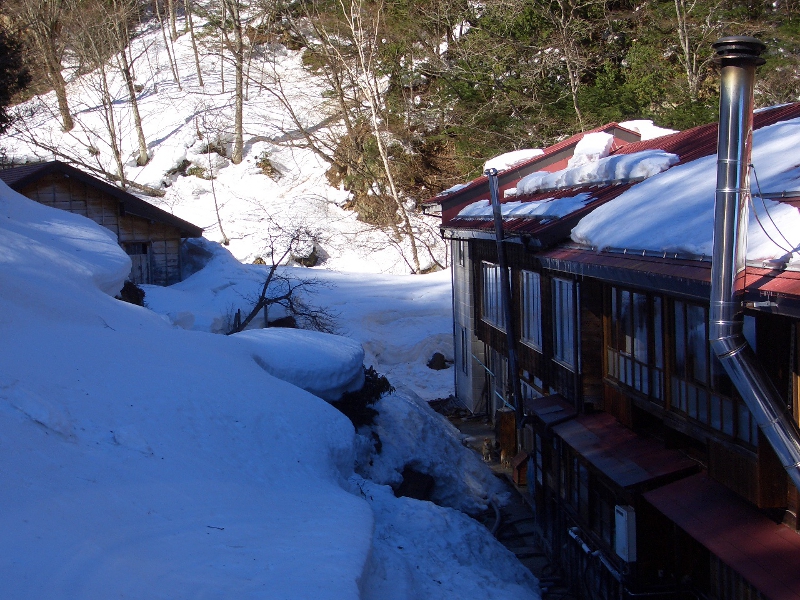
x: 151, y: 237
x: 647, y: 472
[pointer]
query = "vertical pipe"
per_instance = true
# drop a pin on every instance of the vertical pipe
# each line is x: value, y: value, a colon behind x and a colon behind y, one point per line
x: 505, y: 290
x: 738, y: 56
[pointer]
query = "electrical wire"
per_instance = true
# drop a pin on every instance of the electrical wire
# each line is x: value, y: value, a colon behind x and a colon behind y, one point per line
x: 790, y: 249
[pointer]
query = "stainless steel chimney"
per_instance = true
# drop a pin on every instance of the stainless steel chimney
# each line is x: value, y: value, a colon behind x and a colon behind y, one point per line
x: 738, y: 57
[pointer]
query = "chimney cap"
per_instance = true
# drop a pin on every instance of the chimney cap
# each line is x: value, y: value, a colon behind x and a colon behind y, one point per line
x: 739, y: 49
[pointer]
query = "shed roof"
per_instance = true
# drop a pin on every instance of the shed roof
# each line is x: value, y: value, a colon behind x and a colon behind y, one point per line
x: 17, y: 178
x: 765, y: 554
x: 627, y: 459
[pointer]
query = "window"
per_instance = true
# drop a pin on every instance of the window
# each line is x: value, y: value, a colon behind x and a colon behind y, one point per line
x: 528, y: 391
x: 466, y: 352
x: 635, y: 343
x: 575, y: 482
x: 460, y: 251
x: 602, y: 512
x: 700, y: 387
x: 531, y: 309
x: 492, y: 309
x: 563, y: 322
x: 538, y: 460
x: 498, y: 366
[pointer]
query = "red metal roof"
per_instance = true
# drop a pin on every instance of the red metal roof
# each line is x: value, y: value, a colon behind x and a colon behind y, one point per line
x: 765, y: 554
x: 626, y: 458
x: 549, y: 151
x: 689, y: 145
x: 702, y: 140
x: 547, y: 230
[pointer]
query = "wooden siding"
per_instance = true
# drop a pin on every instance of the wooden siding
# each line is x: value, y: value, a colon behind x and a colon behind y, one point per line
x: 592, y: 343
x: 163, y: 241
x: 736, y: 468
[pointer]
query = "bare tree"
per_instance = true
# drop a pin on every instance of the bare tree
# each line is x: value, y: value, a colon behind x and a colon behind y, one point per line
x: 696, y: 31
x: 351, y: 49
x: 233, y: 8
x: 47, y: 23
x: 280, y: 288
x: 190, y: 25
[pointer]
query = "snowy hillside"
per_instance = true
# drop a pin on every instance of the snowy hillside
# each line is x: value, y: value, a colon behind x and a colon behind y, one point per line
x: 182, y: 120
x: 143, y: 460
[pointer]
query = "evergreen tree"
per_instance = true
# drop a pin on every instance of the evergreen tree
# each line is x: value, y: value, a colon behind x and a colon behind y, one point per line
x: 13, y: 75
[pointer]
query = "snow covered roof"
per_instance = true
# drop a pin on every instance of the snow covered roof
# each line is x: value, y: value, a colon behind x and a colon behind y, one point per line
x: 673, y: 211
x: 17, y: 178
x: 646, y: 184
x: 522, y: 162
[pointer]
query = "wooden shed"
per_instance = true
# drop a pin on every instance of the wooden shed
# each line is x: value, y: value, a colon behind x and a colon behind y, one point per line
x: 151, y: 237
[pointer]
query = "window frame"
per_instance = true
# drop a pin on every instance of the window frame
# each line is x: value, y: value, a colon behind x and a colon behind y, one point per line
x: 492, y: 311
x: 700, y: 390
x: 564, y: 322
x: 531, y: 309
x: 635, y: 342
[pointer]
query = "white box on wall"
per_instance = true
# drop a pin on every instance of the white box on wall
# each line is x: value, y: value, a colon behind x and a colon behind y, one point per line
x: 625, y: 533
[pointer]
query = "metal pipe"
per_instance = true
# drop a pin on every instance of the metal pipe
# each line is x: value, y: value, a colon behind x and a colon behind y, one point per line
x: 738, y: 56
x: 505, y: 291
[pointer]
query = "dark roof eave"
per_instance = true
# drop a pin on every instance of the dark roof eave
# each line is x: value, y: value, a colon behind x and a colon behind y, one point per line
x: 132, y: 204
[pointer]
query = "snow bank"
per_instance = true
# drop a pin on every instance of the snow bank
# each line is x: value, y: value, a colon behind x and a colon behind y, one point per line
x: 71, y: 245
x: 412, y: 433
x: 460, y: 558
x: 639, y: 165
x: 325, y: 365
x: 146, y: 461
x: 591, y: 148
x: 683, y: 197
x: 208, y: 299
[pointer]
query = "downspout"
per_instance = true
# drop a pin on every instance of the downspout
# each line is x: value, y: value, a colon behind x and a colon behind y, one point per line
x: 738, y: 57
x: 505, y: 291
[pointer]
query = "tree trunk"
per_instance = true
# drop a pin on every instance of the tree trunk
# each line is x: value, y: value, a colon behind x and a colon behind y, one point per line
x: 172, y: 65
x: 173, y: 30
x: 108, y: 109
x: 59, y: 86
x: 142, y: 159
x: 238, y: 55
x: 190, y: 24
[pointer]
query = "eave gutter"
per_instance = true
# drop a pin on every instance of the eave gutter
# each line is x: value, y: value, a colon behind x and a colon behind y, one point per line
x: 738, y: 56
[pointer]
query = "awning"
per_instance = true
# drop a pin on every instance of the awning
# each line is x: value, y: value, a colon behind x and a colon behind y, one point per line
x: 765, y: 554
x: 627, y: 459
x: 551, y: 410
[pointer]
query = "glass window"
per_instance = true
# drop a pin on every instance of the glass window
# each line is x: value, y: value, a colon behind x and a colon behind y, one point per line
x: 700, y: 387
x: 635, y: 354
x: 531, y: 302
x: 492, y: 308
x: 563, y: 322
x: 466, y: 352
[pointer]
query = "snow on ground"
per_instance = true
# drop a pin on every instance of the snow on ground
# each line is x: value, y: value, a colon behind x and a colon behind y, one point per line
x: 145, y: 460
x: 241, y: 204
x: 683, y: 196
